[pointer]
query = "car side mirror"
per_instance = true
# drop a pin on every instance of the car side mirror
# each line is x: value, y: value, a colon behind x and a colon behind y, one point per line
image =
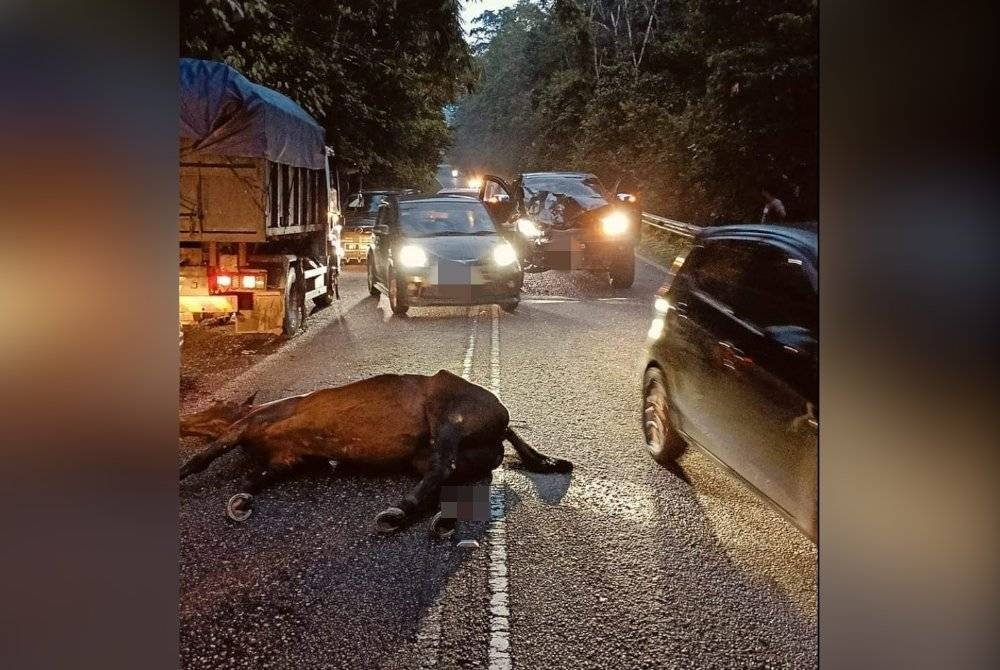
x: 380, y: 229
x: 795, y: 339
x: 626, y: 197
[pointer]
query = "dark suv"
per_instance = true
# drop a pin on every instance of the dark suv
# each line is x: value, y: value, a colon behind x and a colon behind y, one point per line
x: 566, y: 221
x: 732, y: 362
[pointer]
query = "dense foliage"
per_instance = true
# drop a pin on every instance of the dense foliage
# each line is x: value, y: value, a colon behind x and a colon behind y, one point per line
x: 376, y: 73
x: 696, y: 104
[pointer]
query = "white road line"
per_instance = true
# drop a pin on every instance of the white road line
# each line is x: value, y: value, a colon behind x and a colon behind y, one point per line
x: 429, y: 631
x: 499, y: 652
x: 467, y: 363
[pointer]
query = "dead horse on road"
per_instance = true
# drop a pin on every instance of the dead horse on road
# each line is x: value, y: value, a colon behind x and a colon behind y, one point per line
x: 446, y: 428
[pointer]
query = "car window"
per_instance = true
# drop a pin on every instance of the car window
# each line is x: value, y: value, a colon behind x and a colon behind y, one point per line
x: 718, y: 268
x: 776, y: 290
x: 454, y: 217
x: 365, y: 202
x: 493, y: 192
x: 583, y: 186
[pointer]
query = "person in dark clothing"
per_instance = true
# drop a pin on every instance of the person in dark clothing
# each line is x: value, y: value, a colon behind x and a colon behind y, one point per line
x: 774, y: 209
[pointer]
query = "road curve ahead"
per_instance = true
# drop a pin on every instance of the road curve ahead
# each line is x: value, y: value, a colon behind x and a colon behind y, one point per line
x: 620, y: 564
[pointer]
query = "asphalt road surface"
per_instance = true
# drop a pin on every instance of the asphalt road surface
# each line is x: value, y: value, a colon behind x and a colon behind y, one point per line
x: 620, y: 564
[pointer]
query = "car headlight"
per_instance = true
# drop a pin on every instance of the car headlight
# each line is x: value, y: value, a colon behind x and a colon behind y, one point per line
x: 503, y: 254
x: 615, y: 223
x: 412, y: 256
x: 528, y: 228
x: 656, y: 328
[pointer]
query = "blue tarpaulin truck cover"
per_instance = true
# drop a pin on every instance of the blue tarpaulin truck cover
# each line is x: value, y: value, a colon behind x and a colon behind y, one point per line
x: 224, y: 113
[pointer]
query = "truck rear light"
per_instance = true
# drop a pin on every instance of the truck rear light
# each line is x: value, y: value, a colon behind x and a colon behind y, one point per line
x: 249, y: 281
x: 224, y: 281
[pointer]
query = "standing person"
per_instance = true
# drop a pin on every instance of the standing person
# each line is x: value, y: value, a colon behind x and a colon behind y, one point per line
x: 774, y: 209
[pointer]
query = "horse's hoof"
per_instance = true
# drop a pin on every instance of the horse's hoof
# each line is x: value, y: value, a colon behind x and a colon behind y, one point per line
x: 559, y: 465
x: 442, y: 527
x: 390, y: 520
x: 240, y: 507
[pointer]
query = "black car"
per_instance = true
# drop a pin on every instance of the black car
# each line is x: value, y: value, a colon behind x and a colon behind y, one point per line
x: 359, y: 217
x: 441, y: 251
x: 732, y: 362
x: 566, y: 221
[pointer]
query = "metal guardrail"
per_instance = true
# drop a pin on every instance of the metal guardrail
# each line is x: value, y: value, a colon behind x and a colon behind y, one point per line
x: 669, y: 225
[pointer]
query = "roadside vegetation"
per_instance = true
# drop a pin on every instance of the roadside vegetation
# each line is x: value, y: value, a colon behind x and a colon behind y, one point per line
x: 376, y: 74
x: 695, y: 104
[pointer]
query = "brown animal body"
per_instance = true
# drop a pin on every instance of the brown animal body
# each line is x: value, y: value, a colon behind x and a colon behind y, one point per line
x: 445, y: 428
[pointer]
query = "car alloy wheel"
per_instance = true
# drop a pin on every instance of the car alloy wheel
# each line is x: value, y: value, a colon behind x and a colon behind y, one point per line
x: 662, y: 440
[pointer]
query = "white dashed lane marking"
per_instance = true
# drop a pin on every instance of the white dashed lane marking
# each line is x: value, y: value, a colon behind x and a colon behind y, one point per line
x: 500, y: 658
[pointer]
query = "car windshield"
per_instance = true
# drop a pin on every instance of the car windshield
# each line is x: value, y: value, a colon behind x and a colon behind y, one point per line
x: 581, y: 186
x: 365, y: 202
x: 431, y: 219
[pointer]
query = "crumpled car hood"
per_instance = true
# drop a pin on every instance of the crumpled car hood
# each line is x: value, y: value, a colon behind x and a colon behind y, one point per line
x: 563, y: 211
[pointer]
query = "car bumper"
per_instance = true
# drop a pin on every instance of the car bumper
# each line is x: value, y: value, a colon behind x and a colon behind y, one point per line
x: 355, y: 251
x: 484, y: 286
x: 568, y: 250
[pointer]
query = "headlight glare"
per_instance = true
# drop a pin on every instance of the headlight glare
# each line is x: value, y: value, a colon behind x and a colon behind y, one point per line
x: 503, y: 254
x: 528, y: 228
x: 412, y: 256
x: 615, y: 223
x: 656, y: 328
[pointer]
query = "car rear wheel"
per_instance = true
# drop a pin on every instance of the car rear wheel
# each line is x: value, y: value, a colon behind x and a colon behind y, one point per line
x: 663, y: 441
x: 371, y: 279
x: 397, y: 300
x: 622, y: 272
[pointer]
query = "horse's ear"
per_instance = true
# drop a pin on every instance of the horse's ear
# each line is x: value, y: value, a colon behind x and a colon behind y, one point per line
x: 249, y: 401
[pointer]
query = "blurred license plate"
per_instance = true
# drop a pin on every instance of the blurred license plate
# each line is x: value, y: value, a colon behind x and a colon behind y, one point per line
x: 458, y: 274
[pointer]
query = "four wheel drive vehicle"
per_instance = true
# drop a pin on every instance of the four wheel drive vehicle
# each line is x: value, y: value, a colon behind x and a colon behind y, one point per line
x: 732, y: 362
x: 441, y: 251
x: 566, y: 221
x: 359, y: 217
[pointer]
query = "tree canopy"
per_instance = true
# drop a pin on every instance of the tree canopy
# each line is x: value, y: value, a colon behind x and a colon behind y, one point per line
x: 375, y: 73
x: 696, y: 104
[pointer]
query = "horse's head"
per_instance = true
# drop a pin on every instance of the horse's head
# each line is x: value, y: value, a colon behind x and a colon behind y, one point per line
x: 214, y: 421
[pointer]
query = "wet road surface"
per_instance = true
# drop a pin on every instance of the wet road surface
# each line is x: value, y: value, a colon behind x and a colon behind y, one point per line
x: 620, y: 564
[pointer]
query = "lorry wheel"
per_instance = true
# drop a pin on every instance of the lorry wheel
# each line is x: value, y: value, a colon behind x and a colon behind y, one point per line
x: 510, y: 306
x: 294, y: 309
x: 326, y: 299
x: 397, y: 302
x: 622, y: 272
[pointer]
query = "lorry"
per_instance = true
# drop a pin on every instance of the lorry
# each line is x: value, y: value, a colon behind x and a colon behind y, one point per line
x: 259, y: 232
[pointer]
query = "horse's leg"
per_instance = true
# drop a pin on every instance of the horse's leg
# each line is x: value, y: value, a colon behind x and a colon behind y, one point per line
x: 534, y: 460
x: 476, y: 461
x: 445, y: 440
x: 240, y: 505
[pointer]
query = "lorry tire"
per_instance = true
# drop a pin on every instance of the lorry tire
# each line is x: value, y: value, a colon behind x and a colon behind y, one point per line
x: 326, y: 299
x: 397, y: 302
x: 294, y: 309
x: 622, y: 272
